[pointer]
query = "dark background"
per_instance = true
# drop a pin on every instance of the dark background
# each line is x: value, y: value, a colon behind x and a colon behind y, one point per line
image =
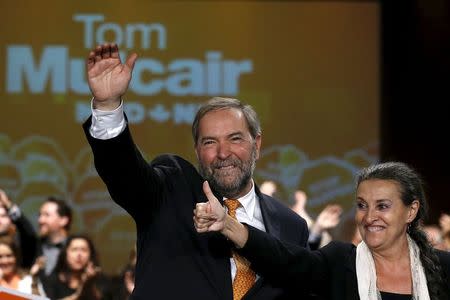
x: 415, y: 92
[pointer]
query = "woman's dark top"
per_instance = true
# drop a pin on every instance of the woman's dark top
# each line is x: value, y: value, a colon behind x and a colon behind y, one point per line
x: 329, y: 272
x: 392, y: 296
x: 59, y: 289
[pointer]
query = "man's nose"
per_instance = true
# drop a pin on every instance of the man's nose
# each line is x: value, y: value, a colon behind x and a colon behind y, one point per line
x: 223, y: 150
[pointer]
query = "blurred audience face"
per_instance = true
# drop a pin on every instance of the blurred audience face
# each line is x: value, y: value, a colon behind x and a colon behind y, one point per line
x: 268, y: 188
x: 381, y: 216
x: 78, y: 254
x: 434, y: 236
x: 8, y: 260
x: 300, y: 199
x: 5, y: 221
x: 50, y: 221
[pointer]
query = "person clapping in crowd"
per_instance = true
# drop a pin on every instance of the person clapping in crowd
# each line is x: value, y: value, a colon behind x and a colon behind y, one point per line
x: 77, y: 275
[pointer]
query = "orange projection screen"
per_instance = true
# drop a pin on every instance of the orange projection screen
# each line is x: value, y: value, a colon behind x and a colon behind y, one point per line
x: 310, y: 69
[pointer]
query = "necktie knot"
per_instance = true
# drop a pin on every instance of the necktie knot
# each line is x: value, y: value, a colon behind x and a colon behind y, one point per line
x: 232, y: 205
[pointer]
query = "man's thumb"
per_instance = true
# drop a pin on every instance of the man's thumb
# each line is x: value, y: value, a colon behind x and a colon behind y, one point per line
x: 131, y: 60
x: 209, y: 194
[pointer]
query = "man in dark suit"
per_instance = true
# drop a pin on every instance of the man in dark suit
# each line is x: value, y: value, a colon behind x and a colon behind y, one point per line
x: 173, y: 261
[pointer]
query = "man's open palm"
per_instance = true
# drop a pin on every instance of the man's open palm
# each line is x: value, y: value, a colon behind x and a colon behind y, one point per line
x: 108, y: 78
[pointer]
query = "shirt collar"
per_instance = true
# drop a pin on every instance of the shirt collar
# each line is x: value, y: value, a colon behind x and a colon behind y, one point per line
x: 48, y: 244
x: 248, y: 202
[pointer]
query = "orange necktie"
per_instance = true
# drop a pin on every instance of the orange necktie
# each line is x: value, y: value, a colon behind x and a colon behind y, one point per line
x: 245, y: 277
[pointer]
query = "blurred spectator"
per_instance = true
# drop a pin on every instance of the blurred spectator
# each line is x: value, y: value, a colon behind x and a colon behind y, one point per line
x: 16, y: 228
x: 327, y: 219
x: 55, y: 219
x: 300, y: 206
x: 7, y: 228
x: 11, y: 275
x: 434, y: 236
x: 444, y: 222
x: 125, y: 283
x: 77, y: 275
x: 268, y: 187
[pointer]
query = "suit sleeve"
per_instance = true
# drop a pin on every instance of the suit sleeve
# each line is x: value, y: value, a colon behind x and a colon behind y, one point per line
x: 284, y: 263
x: 444, y: 258
x: 131, y: 182
x: 28, y: 241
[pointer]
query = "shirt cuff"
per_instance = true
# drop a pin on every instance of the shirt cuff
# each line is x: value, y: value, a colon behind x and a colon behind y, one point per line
x: 107, y: 124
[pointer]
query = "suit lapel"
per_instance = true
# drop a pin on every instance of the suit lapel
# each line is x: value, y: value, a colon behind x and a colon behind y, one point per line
x: 269, y: 213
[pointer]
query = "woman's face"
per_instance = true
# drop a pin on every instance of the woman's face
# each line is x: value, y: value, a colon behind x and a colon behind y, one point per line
x: 7, y: 260
x: 5, y: 220
x: 78, y: 254
x: 381, y: 216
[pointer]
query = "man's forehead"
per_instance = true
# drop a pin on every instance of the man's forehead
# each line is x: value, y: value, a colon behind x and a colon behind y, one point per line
x: 50, y: 207
x: 220, y: 120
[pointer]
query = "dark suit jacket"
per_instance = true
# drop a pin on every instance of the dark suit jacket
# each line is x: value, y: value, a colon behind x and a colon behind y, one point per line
x: 174, y: 261
x: 329, y: 272
x: 27, y: 240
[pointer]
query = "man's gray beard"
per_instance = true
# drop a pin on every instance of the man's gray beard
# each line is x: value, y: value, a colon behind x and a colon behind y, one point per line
x: 235, y: 188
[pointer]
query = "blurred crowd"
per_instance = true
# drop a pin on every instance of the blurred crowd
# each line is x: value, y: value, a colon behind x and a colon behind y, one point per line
x: 54, y: 262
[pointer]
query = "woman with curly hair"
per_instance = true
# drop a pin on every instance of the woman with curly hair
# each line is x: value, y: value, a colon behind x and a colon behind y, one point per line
x: 393, y: 261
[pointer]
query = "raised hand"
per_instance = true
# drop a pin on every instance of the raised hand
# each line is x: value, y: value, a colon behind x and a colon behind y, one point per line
x: 107, y: 77
x: 38, y: 265
x: 209, y: 216
x: 328, y: 218
x: 4, y: 200
x: 90, y: 271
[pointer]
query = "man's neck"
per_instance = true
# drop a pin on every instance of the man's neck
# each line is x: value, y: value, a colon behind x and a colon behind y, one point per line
x: 56, y: 238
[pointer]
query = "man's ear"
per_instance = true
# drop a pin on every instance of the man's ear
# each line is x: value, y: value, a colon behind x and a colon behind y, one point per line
x: 196, y: 152
x: 258, y: 141
x: 64, y: 221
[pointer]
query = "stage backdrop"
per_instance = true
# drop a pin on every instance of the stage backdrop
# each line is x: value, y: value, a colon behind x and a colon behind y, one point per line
x: 310, y: 69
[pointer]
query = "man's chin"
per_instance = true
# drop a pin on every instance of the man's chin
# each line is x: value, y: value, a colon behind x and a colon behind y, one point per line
x: 228, y: 189
x: 227, y: 184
